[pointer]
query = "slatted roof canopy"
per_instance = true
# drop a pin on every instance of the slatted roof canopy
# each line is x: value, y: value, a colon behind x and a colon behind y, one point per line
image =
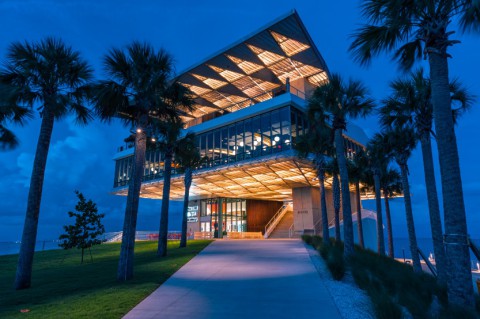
x: 269, y: 178
x: 246, y: 72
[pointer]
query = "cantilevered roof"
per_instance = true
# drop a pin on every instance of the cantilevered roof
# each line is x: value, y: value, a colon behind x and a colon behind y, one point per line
x: 271, y: 178
x: 248, y: 71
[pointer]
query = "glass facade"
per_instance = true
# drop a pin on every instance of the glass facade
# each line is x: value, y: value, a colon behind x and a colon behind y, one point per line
x: 260, y: 135
x: 264, y: 134
x: 234, y: 213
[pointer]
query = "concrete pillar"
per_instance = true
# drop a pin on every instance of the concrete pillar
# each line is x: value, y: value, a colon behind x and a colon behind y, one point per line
x: 306, y: 209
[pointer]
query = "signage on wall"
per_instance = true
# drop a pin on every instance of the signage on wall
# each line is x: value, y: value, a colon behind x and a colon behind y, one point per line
x: 302, y: 212
x: 192, y: 214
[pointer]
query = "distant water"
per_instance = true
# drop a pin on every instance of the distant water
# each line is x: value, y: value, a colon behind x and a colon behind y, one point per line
x: 401, y: 247
x: 9, y: 248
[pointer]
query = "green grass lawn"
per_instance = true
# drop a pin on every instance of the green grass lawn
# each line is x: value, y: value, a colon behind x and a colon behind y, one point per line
x: 64, y: 288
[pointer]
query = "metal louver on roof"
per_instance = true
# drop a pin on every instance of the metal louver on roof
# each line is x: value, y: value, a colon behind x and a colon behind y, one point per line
x: 248, y: 71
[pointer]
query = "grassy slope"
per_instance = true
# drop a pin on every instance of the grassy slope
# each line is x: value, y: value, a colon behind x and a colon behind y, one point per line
x: 64, y: 288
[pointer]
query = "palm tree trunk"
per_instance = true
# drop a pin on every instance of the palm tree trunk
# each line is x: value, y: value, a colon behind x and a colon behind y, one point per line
x: 125, y: 264
x: 344, y: 184
x: 323, y: 203
x: 434, y: 209
x: 29, y: 237
x: 336, y: 206
x: 359, y: 216
x: 163, y: 233
x: 378, y: 204
x: 388, y: 217
x: 460, y: 290
x: 412, y: 237
x: 188, y: 183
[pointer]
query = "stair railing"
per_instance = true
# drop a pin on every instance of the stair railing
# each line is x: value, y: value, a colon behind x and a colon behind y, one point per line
x: 429, y: 264
x: 291, y: 231
x: 474, y: 249
x: 275, y: 220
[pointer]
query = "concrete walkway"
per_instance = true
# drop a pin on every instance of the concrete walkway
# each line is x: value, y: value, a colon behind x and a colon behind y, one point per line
x: 243, y: 279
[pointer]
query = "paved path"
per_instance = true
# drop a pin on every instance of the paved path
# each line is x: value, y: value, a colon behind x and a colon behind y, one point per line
x: 243, y: 279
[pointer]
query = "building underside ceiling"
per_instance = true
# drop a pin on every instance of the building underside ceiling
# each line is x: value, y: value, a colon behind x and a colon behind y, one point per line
x: 271, y: 178
x: 247, y: 72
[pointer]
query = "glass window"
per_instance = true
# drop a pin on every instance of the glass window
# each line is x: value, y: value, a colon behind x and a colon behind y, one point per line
x: 240, y: 141
x: 293, y: 115
x: 224, y: 145
x: 216, y: 147
x: 276, y: 131
x: 248, y: 138
x: 232, y: 145
x: 285, y: 122
x: 209, y: 148
x: 266, y: 127
x: 257, y: 137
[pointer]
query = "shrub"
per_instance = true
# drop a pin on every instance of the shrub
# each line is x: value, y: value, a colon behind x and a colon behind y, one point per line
x: 317, y: 241
x: 307, y: 239
x: 385, y: 307
x: 336, y: 263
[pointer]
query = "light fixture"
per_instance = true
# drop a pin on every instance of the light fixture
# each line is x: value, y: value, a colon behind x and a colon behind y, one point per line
x: 277, y: 138
x: 139, y: 130
x: 258, y: 138
x: 152, y: 169
x: 287, y: 141
x: 156, y: 172
x: 153, y: 139
x: 273, y: 142
x: 255, y: 143
x: 241, y: 144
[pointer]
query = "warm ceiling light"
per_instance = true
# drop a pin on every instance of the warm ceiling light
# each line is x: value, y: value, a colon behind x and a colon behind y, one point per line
x: 153, y: 139
x: 139, y: 130
x: 276, y: 138
x: 258, y: 138
x: 288, y: 45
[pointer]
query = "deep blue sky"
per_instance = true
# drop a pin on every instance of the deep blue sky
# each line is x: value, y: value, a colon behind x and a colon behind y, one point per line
x: 81, y: 157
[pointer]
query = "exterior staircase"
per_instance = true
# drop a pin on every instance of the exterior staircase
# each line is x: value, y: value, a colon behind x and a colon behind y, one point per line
x: 283, y: 226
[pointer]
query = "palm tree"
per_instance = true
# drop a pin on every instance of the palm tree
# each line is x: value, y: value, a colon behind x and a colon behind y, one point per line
x: 10, y: 112
x: 412, y: 30
x: 391, y: 185
x: 377, y: 159
x: 188, y: 158
x: 51, y: 77
x: 168, y: 144
x: 332, y: 169
x: 136, y: 93
x: 410, y: 104
x: 340, y: 101
x: 318, y: 142
x: 358, y: 168
x: 401, y: 142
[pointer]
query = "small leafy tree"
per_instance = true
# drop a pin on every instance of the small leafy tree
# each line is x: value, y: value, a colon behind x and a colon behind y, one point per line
x: 87, y: 228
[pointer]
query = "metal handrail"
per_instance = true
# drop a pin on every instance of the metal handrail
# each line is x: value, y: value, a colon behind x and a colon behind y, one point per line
x: 332, y: 222
x: 275, y: 219
x: 291, y: 230
x: 315, y: 226
x: 429, y: 264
